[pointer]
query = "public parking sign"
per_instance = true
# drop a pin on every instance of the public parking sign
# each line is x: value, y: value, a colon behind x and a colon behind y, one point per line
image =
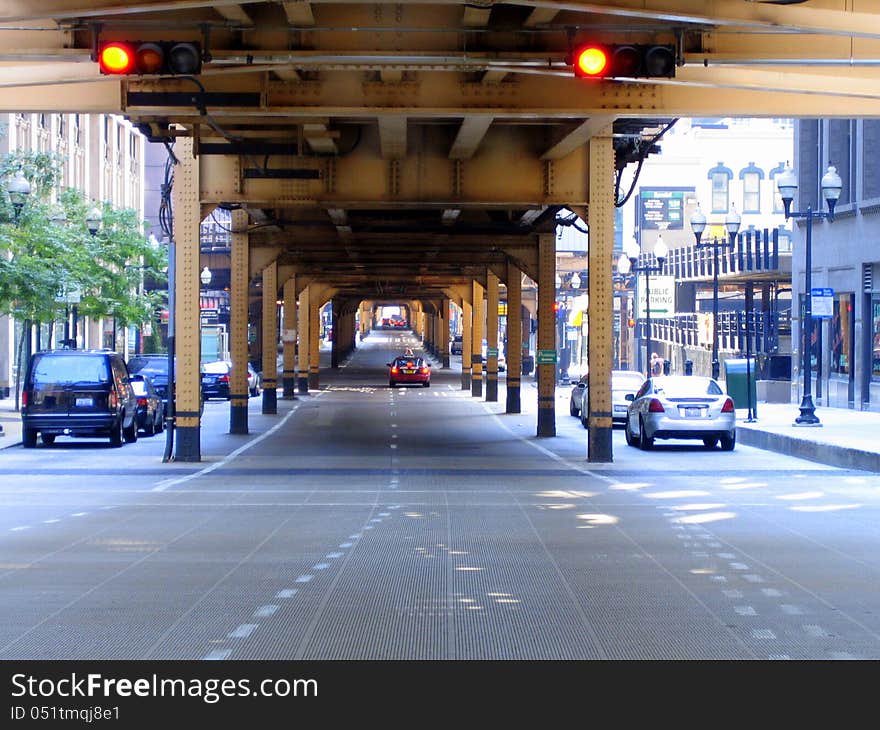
x: 822, y: 302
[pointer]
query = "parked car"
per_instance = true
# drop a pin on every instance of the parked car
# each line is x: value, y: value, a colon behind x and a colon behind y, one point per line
x: 681, y: 407
x: 155, y: 367
x: 77, y: 393
x: 623, y: 382
x: 409, y: 370
x: 215, y: 379
x: 255, y: 381
x: 150, y: 409
x: 456, y: 347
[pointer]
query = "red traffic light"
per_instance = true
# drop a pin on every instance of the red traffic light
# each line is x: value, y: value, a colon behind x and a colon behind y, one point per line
x: 591, y: 61
x: 164, y: 58
x: 623, y: 61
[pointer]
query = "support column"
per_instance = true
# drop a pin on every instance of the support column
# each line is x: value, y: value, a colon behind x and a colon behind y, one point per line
x: 466, y: 345
x: 479, y: 317
x: 238, y: 320
x: 600, y: 354
x: 187, y: 317
x: 443, y: 341
x: 270, y: 338
x: 514, y: 338
x: 304, y: 341
x: 491, y: 337
x: 288, y: 340
x: 336, y: 321
x: 314, y: 343
x: 546, y: 359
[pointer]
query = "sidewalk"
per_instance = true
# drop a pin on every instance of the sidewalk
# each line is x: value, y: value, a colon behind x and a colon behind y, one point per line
x: 847, y: 438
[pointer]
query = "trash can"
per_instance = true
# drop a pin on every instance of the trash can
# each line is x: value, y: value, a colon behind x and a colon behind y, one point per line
x: 528, y: 364
x: 741, y: 380
x: 688, y: 367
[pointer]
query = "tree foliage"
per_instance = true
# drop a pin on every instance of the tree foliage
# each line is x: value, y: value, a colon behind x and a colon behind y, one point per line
x: 49, y: 253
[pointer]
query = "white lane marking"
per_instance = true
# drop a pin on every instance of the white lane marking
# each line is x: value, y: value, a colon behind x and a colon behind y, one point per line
x: 79, y: 514
x: 243, y: 631
x: 320, y: 566
x: 333, y: 556
x: 217, y: 655
x: 815, y: 631
x: 763, y: 634
x: 49, y: 522
x: 345, y: 544
x: 264, y: 611
x: 745, y: 610
x: 163, y: 485
x: 286, y: 593
x: 19, y: 529
x: 791, y: 609
x: 304, y: 578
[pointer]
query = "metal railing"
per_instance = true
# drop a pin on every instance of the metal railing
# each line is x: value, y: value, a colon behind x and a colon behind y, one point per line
x: 684, y: 329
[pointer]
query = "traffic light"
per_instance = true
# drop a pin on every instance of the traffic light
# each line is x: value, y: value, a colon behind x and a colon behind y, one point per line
x: 597, y: 61
x: 163, y: 58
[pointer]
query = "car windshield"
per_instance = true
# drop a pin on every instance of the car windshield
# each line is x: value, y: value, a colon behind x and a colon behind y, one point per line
x: 139, y: 387
x: 686, y: 386
x: 215, y: 367
x: 632, y: 382
x: 408, y: 362
x: 70, y: 369
x: 148, y: 365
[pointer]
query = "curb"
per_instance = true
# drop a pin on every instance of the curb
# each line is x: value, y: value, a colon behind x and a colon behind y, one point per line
x: 840, y: 456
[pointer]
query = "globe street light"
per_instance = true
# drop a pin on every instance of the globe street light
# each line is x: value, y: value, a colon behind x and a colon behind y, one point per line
x: 19, y: 189
x: 628, y: 262
x: 831, y: 187
x: 93, y: 220
x: 205, y: 276
x: 698, y: 224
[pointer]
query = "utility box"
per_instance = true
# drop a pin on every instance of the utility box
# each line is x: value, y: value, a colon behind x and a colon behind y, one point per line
x: 741, y: 381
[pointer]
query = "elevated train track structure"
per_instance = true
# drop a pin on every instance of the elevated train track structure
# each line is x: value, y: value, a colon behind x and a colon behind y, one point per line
x: 419, y: 151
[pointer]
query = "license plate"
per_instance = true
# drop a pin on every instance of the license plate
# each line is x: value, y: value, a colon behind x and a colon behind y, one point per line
x: 693, y: 412
x: 620, y: 409
x: 409, y: 372
x: 207, y: 380
x: 84, y: 402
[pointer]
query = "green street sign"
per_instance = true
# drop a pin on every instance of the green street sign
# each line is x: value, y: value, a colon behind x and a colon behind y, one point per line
x: 546, y: 357
x: 491, y: 352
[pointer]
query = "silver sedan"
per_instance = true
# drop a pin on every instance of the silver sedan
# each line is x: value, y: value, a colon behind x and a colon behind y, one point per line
x: 681, y: 407
x: 623, y: 383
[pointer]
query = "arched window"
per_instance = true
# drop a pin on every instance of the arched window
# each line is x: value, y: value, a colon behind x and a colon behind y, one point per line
x: 778, y: 206
x: 720, y: 177
x: 751, y: 177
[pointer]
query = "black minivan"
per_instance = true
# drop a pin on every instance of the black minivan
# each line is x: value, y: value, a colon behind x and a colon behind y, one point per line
x: 78, y: 393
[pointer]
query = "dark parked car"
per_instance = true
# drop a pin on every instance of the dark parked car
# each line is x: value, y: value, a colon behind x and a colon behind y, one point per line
x: 150, y: 409
x: 78, y: 393
x: 215, y: 379
x: 456, y: 346
x: 155, y: 367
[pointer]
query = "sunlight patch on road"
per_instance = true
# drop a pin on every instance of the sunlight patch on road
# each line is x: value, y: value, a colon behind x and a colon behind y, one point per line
x: 824, y: 507
x: 678, y: 494
x: 801, y: 495
x: 706, y: 517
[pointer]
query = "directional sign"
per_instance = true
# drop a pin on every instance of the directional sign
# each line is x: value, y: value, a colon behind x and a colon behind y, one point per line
x: 546, y: 357
x: 822, y: 302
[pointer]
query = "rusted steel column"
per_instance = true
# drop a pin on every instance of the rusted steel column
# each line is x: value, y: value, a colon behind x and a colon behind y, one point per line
x: 491, y: 337
x: 288, y: 339
x: 336, y: 319
x: 304, y: 342
x: 479, y: 317
x: 187, y: 319
x: 546, y: 359
x: 466, y: 317
x: 600, y: 354
x: 514, y: 338
x: 238, y: 320
x: 270, y: 338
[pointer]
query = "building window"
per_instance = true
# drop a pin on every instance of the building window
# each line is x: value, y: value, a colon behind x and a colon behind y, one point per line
x: 842, y: 324
x: 751, y: 177
x: 720, y: 177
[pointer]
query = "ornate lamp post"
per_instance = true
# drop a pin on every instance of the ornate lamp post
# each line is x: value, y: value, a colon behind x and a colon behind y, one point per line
x: 628, y: 263
x: 19, y: 189
x: 698, y: 224
x: 831, y: 187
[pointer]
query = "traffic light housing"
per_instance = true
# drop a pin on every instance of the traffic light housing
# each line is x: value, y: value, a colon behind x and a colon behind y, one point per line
x: 163, y: 58
x: 630, y: 60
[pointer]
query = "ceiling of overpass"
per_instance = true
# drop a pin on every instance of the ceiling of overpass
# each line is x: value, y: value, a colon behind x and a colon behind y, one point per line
x: 404, y: 147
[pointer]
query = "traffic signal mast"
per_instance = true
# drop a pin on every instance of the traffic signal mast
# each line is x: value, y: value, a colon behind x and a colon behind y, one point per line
x: 163, y: 58
x: 631, y: 60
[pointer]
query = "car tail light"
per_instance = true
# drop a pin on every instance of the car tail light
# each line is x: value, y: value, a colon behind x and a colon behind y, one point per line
x: 728, y: 406
x: 394, y: 370
x: 655, y: 406
x: 113, y: 399
x: 142, y: 402
x: 424, y: 371
x: 223, y: 379
x: 24, y: 397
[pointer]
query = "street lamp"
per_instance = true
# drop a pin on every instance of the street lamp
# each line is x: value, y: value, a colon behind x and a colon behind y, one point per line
x: 831, y: 187
x: 93, y: 220
x: 698, y: 224
x: 565, y: 286
x: 19, y: 189
x: 205, y: 276
x: 628, y: 263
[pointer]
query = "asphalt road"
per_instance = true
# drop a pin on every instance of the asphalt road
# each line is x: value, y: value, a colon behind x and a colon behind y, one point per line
x: 362, y: 522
